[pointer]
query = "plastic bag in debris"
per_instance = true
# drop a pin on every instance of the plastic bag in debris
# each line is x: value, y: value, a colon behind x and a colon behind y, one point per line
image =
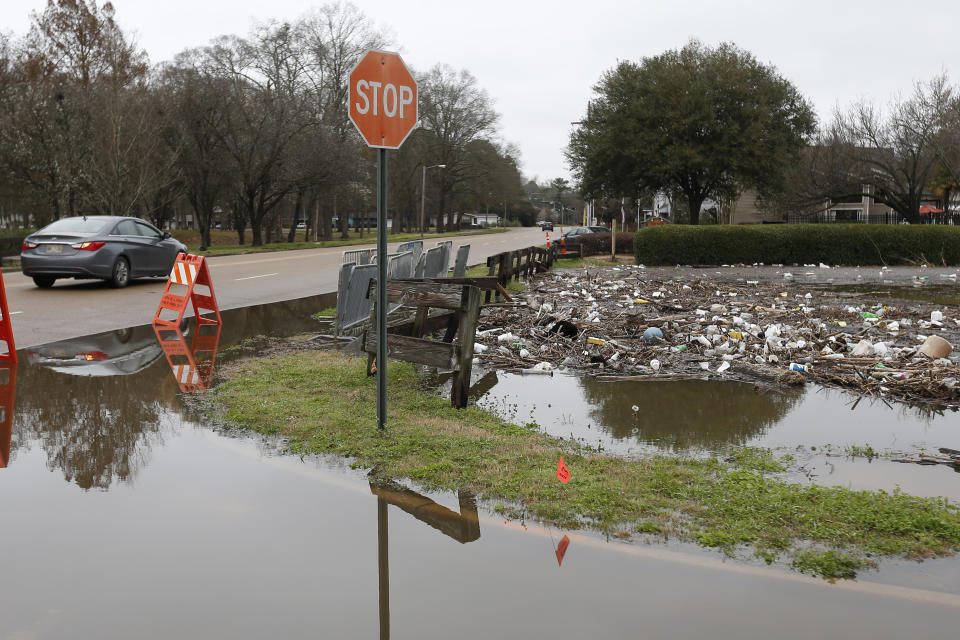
x: 507, y: 337
x: 543, y: 368
x: 936, y: 347
x: 862, y: 348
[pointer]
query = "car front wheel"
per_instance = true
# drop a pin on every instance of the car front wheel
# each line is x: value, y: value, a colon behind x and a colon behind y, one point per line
x: 44, y: 282
x: 121, y: 273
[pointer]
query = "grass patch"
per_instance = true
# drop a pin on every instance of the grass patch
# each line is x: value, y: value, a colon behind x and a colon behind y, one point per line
x: 328, y: 312
x: 324, y: 403
x: 593, y: 261
x: 481, y: 270
x: 755, y: 459
x: 829, y: 564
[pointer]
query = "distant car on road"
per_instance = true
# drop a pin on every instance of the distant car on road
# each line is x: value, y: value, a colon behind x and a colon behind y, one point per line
x: 111, y: 248
x: 572, y: 236
x: 546, y: 225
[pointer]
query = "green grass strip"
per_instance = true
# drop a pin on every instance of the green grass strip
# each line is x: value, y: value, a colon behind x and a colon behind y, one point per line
x: 324, y: 403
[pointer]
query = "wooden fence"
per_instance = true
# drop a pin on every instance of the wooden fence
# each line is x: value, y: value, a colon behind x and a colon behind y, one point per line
x: 405, y: 342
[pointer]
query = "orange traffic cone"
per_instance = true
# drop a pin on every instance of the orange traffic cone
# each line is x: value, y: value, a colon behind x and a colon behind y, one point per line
x: 563, y: 246
x: 548, y: 239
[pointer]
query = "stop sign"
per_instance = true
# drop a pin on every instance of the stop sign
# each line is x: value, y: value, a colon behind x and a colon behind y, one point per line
x: 383, y: 100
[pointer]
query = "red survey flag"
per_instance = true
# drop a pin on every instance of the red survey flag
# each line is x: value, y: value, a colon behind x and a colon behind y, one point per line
x: 562, y: 550
x: 563, y: 474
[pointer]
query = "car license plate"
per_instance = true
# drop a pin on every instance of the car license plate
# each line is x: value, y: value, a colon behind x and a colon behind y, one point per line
x: 54, y: 248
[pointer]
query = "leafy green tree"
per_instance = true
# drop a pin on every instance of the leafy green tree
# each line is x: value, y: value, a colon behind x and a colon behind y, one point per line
x: 704, y: 122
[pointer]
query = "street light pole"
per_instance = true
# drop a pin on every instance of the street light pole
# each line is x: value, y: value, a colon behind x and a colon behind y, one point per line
x: 423, y: 191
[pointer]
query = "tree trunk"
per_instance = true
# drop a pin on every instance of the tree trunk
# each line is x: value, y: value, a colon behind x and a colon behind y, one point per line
x: 344, y: 224
x: 240, y: 223
x: 297, y: 214
x: 694, y: 201
x: 442, y: 222
x: 328, y: 217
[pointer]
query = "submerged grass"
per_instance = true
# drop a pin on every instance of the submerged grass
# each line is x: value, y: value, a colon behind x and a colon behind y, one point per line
x: 324, y: 403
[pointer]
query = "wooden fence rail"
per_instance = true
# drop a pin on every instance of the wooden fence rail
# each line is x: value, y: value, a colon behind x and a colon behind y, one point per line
x: 405, y: 341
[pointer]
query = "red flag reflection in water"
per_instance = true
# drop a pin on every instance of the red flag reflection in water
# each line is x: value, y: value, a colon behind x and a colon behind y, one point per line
x: 562, y: 549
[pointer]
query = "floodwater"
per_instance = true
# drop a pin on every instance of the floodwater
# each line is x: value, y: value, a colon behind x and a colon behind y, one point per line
x: 819, y: 427
x: 126, y: 518
x: 920, y: 291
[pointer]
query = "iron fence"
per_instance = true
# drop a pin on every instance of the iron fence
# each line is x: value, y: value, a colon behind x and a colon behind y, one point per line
x: 883, y: 218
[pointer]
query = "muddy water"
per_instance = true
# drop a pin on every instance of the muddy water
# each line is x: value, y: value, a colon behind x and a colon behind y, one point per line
x: 125, y: 518
x: 818, y: 426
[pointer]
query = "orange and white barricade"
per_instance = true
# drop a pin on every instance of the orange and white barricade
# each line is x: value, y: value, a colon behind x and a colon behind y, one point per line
x: 191, y: 272
x: 192, y: 365
x: 6, y: 329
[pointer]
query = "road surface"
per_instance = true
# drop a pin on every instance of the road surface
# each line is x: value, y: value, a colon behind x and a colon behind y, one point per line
x: 80, y: 307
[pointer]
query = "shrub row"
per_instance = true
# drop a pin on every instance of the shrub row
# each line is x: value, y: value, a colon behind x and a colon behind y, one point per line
x: 599, y: 243
x: 843, y: 244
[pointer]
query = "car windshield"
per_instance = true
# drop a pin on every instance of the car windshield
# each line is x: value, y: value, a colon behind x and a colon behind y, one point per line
x: 75, y: 226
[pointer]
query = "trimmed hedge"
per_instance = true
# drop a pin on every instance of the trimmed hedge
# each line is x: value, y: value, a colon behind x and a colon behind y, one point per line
x: 599, y: 243
x: 843, y: 244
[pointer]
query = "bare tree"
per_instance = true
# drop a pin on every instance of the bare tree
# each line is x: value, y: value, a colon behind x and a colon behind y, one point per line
x: 893, y: 151
x: 265, y: 116
x: 335, y: 37
x: 455, y: 112
x: 199, y: 113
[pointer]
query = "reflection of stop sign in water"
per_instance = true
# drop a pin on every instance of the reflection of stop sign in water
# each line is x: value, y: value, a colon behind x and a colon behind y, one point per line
x: 383, y: 100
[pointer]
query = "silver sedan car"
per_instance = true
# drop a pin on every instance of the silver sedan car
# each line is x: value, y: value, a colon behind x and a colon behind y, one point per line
x: 111, y: 248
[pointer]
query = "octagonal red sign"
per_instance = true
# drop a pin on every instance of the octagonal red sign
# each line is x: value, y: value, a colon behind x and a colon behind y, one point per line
x: 383, y: 100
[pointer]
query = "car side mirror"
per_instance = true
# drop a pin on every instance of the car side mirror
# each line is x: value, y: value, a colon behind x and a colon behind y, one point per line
x: 166, y: 234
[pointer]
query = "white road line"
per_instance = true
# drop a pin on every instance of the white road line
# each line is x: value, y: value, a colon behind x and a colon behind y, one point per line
x: 13, y: 313
x: 266, y: 275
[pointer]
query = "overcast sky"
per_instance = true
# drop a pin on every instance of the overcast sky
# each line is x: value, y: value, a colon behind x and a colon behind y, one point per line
x: 539, y: 60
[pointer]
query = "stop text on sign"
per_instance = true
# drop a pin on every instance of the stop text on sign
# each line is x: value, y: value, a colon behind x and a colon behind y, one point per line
x: 394, y: 99
x: 383, y: 100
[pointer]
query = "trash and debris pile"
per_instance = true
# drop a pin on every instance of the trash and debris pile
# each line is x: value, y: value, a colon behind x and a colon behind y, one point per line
x: 948, y: 457
x: 621, y: 322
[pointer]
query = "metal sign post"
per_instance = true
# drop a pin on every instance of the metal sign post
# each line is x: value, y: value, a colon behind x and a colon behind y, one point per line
x: 382, y: 289
x: 382, y: 104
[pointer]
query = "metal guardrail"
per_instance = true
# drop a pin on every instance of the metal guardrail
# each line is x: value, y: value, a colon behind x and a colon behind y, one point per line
x: 353, y: 307
x: 435, y: 265
x: 447, y: 246
x: 420, y: 266
x: 356, y: 271
x: 460, y: 266
x: 416, y: 246
x: 359, y: 267
x: 400, y: 265
x: 359, y: 256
